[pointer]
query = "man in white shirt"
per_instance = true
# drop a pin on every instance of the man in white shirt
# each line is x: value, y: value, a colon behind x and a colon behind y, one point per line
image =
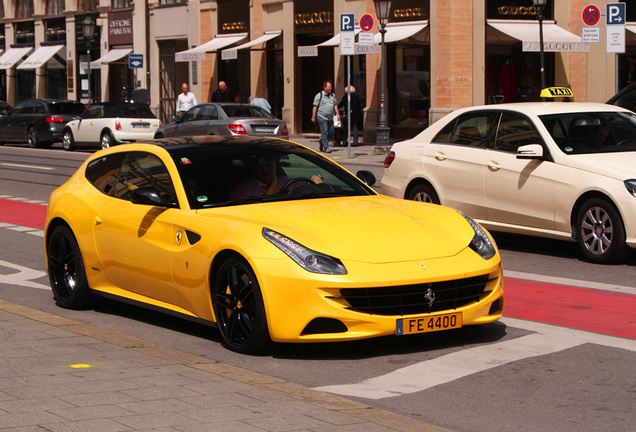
x: 186, y: 100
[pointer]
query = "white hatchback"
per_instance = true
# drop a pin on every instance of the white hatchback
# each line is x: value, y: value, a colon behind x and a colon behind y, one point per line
x: 556, y: 169
x: 105, y: 124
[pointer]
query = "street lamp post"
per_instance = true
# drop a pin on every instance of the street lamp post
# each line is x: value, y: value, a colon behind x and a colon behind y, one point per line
x: 88, y: 27
x: 540, y: 5
x: 382, y: 9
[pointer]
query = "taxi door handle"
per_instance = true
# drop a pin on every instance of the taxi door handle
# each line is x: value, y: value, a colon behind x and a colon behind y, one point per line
x: 440, y: 156
x: 494, y: 166
x: 98, y: 220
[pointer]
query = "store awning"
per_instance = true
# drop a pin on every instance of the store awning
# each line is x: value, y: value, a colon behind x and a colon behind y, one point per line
x: 198, y: 53
x: 111, y: 56
x: 40, y: 56
x: 269, y: 35
x: 396, y: 32
x: 335, y: 41
x: 12, y: 56
x: 555, y: 38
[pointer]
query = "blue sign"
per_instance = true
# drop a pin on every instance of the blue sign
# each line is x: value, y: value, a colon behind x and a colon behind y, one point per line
x: 615, y: 14
x: 346, y: 23
x: 135, y: 61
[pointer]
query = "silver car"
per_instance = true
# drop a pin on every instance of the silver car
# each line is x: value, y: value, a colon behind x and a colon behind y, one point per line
x: 228, y: 119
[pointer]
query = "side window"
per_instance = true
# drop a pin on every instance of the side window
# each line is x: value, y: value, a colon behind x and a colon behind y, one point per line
x: 192, y: 114
x: 141, y: 169
x: 473, y: 129
x: 514, y: 131
x: 208, y: 112
x: 445, y: 134
x: 102, y: 172
x: 38, y: 108
x: 19, y: 108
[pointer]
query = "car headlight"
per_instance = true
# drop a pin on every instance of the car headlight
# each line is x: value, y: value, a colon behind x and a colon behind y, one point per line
x: 481, y: 243
x: 308, y: 259
x: 631, y: 186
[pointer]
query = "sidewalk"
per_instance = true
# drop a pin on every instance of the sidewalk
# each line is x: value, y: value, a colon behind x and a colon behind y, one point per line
x: 362, y: 154
x: 64, y: 376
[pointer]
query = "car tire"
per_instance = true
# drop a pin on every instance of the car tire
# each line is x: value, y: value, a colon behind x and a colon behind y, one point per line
x: 600, y: 232
x: 158, y: 136
x: 107, y: 140
x: 424, y: 193
x: 68, y: 142
x: 239, y: 309
x: 66, y: 270
x: 32, y: 137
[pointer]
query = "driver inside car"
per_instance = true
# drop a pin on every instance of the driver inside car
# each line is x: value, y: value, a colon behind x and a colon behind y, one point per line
x: 264, y: 180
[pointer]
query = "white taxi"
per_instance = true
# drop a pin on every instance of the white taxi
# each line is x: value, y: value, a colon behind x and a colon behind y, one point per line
x: 556, y: 169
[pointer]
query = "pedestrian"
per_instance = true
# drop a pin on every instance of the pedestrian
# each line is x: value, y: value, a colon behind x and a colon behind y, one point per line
x: 185, y: 100
x: 354, y: 115
x: 325, y: 111
x: 220, y: 94
x: 261, y: 102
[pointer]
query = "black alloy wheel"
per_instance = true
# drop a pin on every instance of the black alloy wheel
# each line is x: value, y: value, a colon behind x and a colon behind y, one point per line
x: 66, y: 270
x: 238, y: 307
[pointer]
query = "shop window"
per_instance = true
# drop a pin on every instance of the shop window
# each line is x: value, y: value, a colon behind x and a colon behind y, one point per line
x: 121, y: 4
x: 24, y: 32
x: 87, y: 5
x: 55, y: 29
x: 171, y: 2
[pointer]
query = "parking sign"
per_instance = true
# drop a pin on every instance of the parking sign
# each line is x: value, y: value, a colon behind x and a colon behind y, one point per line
x: 615, y: 14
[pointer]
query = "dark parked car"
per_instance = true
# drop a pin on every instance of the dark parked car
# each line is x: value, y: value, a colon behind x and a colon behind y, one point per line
x: 39, y: 122
x: 229, y: 119
x: 4, y: 108
x: 625, y: 98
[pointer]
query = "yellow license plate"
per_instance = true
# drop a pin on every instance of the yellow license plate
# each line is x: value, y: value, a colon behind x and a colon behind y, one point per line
x: 427, y: 324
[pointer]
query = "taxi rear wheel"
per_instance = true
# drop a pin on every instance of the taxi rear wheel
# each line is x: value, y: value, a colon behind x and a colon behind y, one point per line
x: 600, y: 232
x: 424, y: 193
x: 239, y: 309
x: 66, y: 270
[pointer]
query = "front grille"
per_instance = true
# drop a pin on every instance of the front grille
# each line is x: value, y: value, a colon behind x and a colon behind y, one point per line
x: 411, y: 299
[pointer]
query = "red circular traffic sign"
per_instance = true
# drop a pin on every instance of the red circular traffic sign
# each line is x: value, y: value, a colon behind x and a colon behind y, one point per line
x: 366, y: 23
x: 591, y: 15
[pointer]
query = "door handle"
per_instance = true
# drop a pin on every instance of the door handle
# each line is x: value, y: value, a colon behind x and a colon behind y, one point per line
x: 494, y: 166
x: 440, y: 156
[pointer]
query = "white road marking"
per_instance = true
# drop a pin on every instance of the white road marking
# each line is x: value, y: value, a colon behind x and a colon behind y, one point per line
x: 23, y: 276
x: 547, y: 339
x: 27, y: 166
x: 570, y: 282
x: 23, y: 229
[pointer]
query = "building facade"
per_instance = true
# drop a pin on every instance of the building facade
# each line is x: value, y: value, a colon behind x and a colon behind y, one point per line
x: 440, y: 55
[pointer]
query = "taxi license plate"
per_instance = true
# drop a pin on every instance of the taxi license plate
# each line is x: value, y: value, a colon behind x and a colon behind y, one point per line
x: 427, y: 324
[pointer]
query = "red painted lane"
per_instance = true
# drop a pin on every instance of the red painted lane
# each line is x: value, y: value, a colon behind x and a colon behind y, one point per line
x: 21, y: 213
x: 581, y: 308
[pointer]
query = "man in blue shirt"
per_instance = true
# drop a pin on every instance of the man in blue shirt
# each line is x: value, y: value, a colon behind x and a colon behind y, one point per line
x: 324, y: 110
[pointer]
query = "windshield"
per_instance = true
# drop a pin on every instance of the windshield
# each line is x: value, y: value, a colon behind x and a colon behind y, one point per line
x: 214, y: 175
x: 592, y: 132
x: 246, y: 111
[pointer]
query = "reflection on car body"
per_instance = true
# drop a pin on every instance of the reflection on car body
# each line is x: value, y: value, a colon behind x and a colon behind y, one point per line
x: 560, y: 170
x: 157, y: 224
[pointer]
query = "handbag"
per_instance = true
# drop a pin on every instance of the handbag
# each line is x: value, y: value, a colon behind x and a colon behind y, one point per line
x: 336, y: 121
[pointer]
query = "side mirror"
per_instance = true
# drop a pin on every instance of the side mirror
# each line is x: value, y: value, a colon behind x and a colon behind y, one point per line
x: 367, y: 177
x: 531, y: 151
x: 148, y: 195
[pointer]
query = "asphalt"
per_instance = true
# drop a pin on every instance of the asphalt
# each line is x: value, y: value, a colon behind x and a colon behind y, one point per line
x: 60, y: 375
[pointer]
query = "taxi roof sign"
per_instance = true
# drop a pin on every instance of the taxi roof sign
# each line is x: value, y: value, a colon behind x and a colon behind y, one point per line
x: 554, y: 92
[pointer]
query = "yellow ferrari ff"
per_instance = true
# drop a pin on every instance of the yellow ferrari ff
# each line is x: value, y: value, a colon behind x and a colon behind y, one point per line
x: 266, y: 239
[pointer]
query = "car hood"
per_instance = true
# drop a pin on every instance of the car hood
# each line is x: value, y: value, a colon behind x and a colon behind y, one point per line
x: 375, y: 229
x: 619, y: 166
